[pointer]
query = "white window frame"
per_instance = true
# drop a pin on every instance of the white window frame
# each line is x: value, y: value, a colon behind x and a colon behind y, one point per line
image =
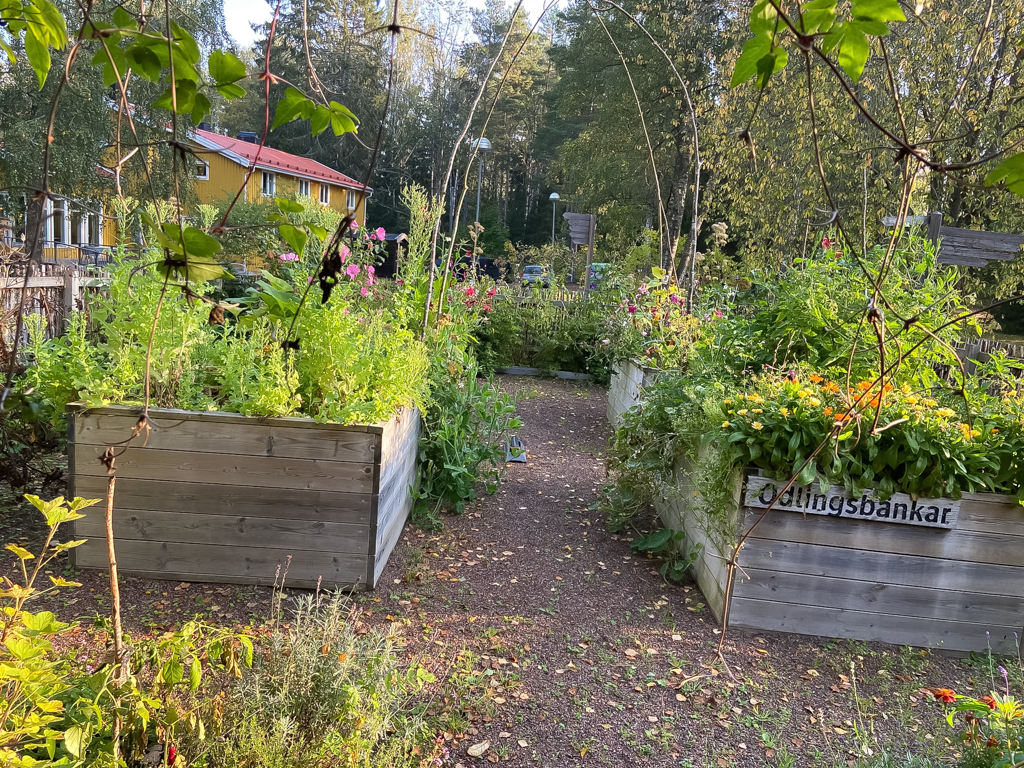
x: 268, y: 189
x: 303, y: 187
x: 350, y: 200
x: 203, y: 175
x: 325, y: 194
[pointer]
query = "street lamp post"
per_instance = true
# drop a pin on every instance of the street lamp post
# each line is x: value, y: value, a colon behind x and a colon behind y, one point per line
x: 554, y: 198
x: 481, y: 145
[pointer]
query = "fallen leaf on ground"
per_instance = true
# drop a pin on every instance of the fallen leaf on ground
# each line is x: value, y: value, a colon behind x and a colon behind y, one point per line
x: 478, y: 749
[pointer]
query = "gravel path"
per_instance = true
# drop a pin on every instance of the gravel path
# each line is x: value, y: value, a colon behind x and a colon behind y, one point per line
x: 558, y: 646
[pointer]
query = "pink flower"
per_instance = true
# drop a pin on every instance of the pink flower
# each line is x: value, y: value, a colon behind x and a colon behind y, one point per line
x: 674, y: 299
x: 344, y: 252
x: 381, y: 234
x: 492, y: 291
x: 718, y: 313
x: 643, y: 289
x: 471, y: 291
x: 631, y: 309
x: 826, y: 244
x: 288, y: 257
x: 309, y: 279
x: 354, y: 225
x: 363, y: 291
x: 352, y: 271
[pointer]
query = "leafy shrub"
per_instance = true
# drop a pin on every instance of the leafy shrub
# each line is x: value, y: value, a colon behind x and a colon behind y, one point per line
x: 466, y: 429
x: 320, y: 694
x: 667, y: 544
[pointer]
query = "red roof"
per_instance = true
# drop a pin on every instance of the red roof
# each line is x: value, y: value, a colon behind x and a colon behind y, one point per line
x: 276, y: 159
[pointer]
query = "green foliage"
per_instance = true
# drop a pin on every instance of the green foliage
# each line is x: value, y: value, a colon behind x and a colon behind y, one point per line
x: 57, y: 711
x: 668, y: 545
x: 320, y: 694
x: 467, y: 426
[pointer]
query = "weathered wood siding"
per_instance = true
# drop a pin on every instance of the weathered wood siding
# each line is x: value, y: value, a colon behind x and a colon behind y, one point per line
x: 225, y: 497
x: 625, y: 388
x: 960, y: 589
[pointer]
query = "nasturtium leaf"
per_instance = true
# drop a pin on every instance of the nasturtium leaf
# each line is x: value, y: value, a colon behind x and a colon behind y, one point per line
x: 38, y: 54
x: 1011, y: 172
x: 225, y: 67
x: 144, y: 61
x: 877, y: 10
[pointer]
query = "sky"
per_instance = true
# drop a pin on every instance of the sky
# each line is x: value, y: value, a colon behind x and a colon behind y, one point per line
x: 239, y: 14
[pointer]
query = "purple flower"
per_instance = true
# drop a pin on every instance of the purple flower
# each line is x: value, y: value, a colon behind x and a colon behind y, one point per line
x: 352, y: 270
x: 631, y: 309
x: 674, y: 299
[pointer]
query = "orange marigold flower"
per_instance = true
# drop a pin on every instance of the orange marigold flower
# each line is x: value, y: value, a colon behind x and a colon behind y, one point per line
x: 943, y: 694
x: 992, y: 742
x: 988, y: 701
x: 815, y: 378
x: 875, y: 401
x: 831, y: 386
x: 828, y: 411
x: 864, y: 385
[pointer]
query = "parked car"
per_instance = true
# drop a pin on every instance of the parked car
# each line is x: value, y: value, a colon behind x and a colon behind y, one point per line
x: 534, y: 274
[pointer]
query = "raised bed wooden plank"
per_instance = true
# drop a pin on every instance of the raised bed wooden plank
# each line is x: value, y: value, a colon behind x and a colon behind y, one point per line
x: 209, y: 499
x: 971, y: 546
x: 220, y: 469
x: 227, y: 530
x: 821, y: 560
x: 859, y: 625
x: 208, y: 562
x: 878, y: 597
x: 246, y: 439
x: 172, y: 415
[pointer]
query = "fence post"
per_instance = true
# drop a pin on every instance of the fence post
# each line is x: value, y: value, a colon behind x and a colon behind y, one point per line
x: 72, y: 295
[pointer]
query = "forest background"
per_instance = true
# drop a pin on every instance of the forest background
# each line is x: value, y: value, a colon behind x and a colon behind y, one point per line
x: 569, y: 108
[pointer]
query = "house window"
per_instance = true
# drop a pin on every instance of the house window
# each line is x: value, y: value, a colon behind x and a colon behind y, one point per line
x: 303, y: 188
x: 269, y: 184
x: 202, y: 170
x: 325, y: 194
x: 351, y: 201
x: 58, y: 221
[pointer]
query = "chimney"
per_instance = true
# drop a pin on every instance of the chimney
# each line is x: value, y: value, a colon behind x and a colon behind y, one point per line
x: 250, y: 136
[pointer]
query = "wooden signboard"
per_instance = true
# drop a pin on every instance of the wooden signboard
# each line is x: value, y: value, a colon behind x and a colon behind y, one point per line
x: 836, y: 502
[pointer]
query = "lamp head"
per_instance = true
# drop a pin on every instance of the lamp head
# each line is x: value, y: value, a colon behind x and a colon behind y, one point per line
x: 482, y: 145
x: 554, y: 196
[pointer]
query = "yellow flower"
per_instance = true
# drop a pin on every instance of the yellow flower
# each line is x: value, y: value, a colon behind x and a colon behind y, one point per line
x: 741, y: 396
x: 784, y: 411
x: 731, y: 413
x: 757, y: 425
x: 913, y: 400
x: 803, y: 393
x: 755, y: 398
x: 725, y: 425
x: 905, y: 388
x: 945, y: 412
x: 742, y: 412
x: 929, y: 402
x: 757, y: 410
x: 814, y: 401
x: 728, y: 402
x: 975, y: 433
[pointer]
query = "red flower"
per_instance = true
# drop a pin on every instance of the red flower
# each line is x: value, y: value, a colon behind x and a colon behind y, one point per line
x: 492, y: 291
x: 826, y: 244
x: 172, y: 754
x: 471, y: 291
x: 988, y: 701
x: 943, y: 694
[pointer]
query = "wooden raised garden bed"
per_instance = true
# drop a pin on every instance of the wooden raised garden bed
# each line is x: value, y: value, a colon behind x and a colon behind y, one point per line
x: 223, y: 497
x: 929, y: 573
x: 627, y: 383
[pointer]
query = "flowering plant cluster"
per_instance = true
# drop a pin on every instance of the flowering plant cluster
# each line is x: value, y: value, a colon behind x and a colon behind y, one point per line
x: 649, y: 323
x: 891, y: 436
x: 993, y: 724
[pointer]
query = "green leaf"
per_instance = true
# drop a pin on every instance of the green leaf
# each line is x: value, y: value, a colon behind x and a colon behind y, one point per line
x: 288, y: 206
x: 877, y: 10
x: 20, y: 552
x: 818, y: 16
x: 111, y: 72
x: 756, y: 50
x: 195, y: 674
x: 55, y: 24
x: 1011, y: 172
x: 294, y: 236
x: 172, y: 672
x: 343, y: 120
x: 292, y: 106
x: 231, y: 91
x: 8, y: 50
x: 769, y: 65
x: 144, y: 61
x: 76, y: 740
x: 225, y: 67
x: 852, y: 45
x: 186, y: 43
x: 186, y: 95
x: 201, y: 108
x: 123, y: 19
x: 320, y: 120
x: 38, y: 53
x: 764, y: 19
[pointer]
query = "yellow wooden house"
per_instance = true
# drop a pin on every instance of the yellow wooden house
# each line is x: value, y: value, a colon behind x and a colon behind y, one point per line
x: 82, y: 230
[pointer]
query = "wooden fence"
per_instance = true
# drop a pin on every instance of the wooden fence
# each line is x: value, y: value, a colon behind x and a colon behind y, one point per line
x: 54, y: 291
